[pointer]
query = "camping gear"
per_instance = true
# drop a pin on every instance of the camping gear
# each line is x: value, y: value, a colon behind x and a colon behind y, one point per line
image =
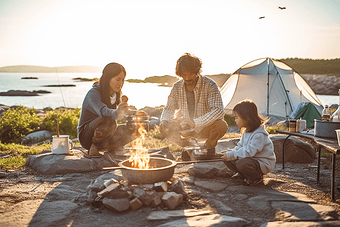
x: 273, y: 86
x: 292, y: 125
x: 325, y: 129
x: 56, y: 126
x: 161, y: 169
x: 326, y: 113
x: 61, y: 144
x: 301, y: 125
x: 336, y: 115
x: 135, y: 119
x: 338, y: 135
x: 308, y: 112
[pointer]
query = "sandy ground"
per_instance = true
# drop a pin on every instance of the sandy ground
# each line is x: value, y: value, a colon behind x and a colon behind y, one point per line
x: 34, y: 200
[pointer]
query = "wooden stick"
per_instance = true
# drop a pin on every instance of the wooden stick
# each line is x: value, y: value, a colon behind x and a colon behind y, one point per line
x: 56, y: 126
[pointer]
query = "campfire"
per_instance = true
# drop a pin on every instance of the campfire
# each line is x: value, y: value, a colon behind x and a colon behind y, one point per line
x: 139, y: 156
x: 144, y: 181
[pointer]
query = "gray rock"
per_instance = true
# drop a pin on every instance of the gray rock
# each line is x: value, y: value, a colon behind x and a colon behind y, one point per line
x: 215, y: 220
x: 208, y: 170
x: 296, y: 150
x: 135, y: 204
x: 302, y: 224
x: 55, y: 211
x: 62, y: 192
x: 37, y: 136
x: 171, y: 199
x: 178, y: 187
x: 117, y: 205
x: 298, y: 211
x: 148, y: 197
x: 61, y: 164
x: 262, y: 202
x: 165, y: 215
x: 222, y: 206
x: 211, y: 185
x: 187, y: 179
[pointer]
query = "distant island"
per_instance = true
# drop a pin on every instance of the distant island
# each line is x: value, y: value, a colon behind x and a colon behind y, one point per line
x: 44, y: 69
x: 168, y: 81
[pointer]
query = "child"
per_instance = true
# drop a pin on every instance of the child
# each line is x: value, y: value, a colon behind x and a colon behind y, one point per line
x: 254, y: 154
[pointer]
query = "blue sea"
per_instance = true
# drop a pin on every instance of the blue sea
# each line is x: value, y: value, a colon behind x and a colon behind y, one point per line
x: 140, y: 94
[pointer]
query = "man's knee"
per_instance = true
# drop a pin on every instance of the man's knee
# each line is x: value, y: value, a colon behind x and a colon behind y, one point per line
x: 221, y: 126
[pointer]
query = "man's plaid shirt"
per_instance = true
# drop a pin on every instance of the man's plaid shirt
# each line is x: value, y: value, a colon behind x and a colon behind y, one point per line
x: 208, y: 103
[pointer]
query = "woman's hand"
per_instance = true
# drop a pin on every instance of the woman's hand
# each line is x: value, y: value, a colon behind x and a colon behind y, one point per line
x: 124, y: 98
x: 121, y: 110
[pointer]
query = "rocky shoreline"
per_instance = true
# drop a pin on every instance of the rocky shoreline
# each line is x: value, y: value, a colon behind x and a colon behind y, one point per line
x: 320, y: 84
x: 323, y: 85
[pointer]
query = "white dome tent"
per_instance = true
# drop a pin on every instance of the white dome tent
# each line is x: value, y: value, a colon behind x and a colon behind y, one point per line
x: 273, y: 86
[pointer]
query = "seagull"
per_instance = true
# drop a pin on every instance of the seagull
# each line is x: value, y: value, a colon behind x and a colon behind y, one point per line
x: 282, y: 8
x: 261, y: 17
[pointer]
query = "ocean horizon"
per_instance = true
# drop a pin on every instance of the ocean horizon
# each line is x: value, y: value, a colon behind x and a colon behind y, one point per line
x: 140, y: 94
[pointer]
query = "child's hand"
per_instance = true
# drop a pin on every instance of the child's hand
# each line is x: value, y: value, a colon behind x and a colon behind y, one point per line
x: 224, y: 155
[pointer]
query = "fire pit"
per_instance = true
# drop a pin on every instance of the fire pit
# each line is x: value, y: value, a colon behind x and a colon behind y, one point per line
x: 160, y: 170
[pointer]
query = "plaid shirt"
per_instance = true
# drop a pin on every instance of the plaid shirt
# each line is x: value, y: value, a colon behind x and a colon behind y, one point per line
x: 208, y: 103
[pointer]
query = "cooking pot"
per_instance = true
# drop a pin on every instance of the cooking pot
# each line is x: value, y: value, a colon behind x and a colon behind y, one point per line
x: 325, y: 129
x: 161, y: 170
x: 134, y: 119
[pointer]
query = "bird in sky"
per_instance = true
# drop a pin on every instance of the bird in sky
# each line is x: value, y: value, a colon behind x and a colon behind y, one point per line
x: 282, y: 8
x: 261, y: 17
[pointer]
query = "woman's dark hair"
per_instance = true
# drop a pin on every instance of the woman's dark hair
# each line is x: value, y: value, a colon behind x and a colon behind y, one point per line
x: 111, y: 70
x: 247, y: 110
x: 188, y: 62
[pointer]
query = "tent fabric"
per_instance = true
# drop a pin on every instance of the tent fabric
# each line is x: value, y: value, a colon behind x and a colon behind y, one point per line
x: 276, y: 88
x: 308, y: 112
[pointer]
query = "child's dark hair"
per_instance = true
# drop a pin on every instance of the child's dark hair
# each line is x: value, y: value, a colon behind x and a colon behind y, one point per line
x: 247, y: 110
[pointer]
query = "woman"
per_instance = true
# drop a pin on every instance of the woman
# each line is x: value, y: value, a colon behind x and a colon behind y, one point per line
x: 102, y: 107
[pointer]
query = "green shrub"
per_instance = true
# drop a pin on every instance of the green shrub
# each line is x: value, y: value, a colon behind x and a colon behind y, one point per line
x: 67, y: 121
x: 16, y: 123
x: 230, y: 120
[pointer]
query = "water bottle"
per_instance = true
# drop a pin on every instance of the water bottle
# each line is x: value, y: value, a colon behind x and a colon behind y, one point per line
x: 326, y: 113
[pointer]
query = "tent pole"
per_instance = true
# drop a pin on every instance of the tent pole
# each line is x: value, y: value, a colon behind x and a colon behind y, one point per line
x: 267, y: 86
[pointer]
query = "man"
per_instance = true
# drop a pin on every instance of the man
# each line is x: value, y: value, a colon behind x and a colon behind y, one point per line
x: 194, y: 108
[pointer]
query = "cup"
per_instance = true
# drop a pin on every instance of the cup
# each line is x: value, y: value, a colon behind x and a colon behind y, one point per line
x: 61, y: 144
x: 338, y: 135
x: 292, y: 125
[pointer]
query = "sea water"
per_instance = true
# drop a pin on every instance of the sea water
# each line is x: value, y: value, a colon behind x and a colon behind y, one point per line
x: 140, y: 94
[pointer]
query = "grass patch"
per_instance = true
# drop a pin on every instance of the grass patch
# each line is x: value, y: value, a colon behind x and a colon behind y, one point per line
x: 18, y: 154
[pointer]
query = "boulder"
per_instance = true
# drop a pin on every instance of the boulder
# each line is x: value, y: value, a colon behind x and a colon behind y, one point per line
x: 296, y: 150
x: 36, y: 137
x: 49, y: 163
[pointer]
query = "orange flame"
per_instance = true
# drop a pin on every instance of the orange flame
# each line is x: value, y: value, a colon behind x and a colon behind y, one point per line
x: 140, y: 157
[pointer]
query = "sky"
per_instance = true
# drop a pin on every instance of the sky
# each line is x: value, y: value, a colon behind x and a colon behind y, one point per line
x: 147, y: 37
